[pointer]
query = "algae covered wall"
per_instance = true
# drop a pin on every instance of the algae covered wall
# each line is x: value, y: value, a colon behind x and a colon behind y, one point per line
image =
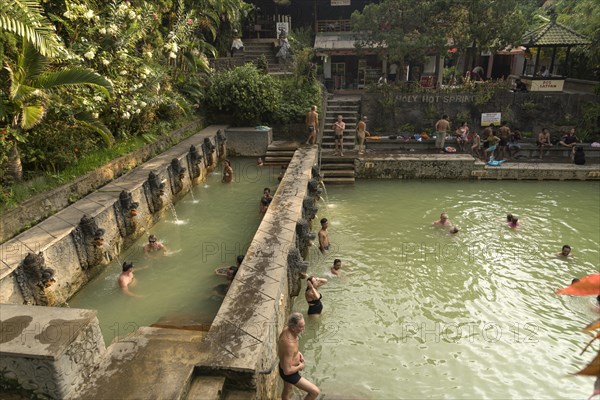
x: 530, y: 112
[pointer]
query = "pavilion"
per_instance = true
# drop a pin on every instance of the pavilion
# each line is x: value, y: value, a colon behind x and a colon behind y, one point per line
x: 551, y: 35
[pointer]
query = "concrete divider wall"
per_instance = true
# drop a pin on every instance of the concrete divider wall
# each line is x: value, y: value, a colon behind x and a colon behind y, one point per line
x: 242, y: 341
x: 65, y: 244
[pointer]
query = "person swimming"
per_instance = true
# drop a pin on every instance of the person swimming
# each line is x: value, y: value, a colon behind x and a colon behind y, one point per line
x: 443, y: 221
x: 514, y: 222
x: 565, y: 251
x: 336, y: 268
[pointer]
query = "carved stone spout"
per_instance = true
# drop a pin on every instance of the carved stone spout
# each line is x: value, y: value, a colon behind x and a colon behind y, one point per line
x: 154, y: 188
x: 195, y: 158
x: 208, y: 150
x: 296, y: 268
x: 221, y: 139
x: 177, y: 173
x: 125, y: 211
x: 89, y: 242
x: 35, y: 280
x: 309, y: 208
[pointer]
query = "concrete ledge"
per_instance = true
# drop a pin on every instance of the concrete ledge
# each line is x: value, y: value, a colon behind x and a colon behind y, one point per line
x: 241, y: 343
x: 49, y: 351
x: 248, y: 141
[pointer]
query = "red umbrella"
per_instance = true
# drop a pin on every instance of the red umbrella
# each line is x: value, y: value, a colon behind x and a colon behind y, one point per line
x: 586, y: 286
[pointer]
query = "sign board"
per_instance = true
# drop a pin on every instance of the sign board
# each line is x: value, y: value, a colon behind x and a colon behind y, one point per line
x: 491, y: 118
x: 283, y: 27
x: 546, y: 85
x: 340, y: 3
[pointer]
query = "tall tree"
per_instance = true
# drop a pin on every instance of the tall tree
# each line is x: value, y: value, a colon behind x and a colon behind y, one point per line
x: 407, y: 29
x: 403, y: 30
x: 583, y: 16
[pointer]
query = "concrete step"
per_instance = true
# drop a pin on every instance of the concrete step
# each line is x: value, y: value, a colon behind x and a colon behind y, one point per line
x: 283, y: 145
x: 239, y: 395
x: 277, y: 160
x: 206, y: 388
x: 157, y: 362
x: 337, y: 173
x: 280, y: 153
x: 329, y: 158
x: 339, y: 181
x: 329, y: 166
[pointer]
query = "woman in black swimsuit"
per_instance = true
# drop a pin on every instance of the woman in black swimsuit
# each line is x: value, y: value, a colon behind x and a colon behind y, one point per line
x: 313, y: 297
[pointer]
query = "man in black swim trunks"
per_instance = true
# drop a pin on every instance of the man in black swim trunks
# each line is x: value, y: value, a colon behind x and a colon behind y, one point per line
x: 291, y: 361
x: 338, y: 135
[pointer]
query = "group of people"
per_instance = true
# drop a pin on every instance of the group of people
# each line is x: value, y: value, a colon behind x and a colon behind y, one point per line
x: 339, y: 126
x: 504, y: 142
x: 291, y: 360
x: 126, y: 277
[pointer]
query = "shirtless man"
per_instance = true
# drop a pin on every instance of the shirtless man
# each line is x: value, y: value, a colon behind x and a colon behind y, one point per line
x: 324, y: 236
x: 565, y: 251
x: 312, y: 125
x: 361, y: 132
x: 504, y: 134
x: 291, y: 361
x: 338, y: 135
x: 441, y: 129
x: 126, y: 278
x: 154, y: 246
x: 543, y: 141
x: 443, y: 221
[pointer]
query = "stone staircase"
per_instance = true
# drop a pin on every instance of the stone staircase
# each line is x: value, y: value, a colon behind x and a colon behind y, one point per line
x: 337, y: 170
x: 349, y: 108
x: 253, y: 50
x: 280, y: 152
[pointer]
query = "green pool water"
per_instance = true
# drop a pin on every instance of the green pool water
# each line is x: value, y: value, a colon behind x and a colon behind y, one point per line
x: 215, y: 225
x: 423, y: 314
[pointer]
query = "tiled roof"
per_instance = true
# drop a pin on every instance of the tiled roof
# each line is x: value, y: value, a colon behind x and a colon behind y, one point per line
x: 553, y: 34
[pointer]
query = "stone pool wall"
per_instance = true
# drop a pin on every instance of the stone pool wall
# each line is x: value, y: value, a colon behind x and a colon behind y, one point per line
x: 53, y: 352
x: 48, y: 263
x: 242, y: 341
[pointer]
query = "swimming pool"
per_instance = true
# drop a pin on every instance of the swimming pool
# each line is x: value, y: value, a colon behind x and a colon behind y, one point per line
x: 214, y: 224
x: 421, y: 313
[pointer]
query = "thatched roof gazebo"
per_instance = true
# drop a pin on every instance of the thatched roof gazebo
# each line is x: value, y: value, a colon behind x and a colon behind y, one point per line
x: 551, y: 35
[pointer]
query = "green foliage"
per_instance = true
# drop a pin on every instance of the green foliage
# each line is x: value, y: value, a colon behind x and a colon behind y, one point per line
x: 583, y: 16
x: 590, y: 120
x: 296, y: 99
x: 247, y: 95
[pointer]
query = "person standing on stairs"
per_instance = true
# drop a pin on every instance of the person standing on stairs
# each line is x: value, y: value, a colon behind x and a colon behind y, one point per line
x: 338, y: 135
x: 361, y: 132
x: 312, y: 125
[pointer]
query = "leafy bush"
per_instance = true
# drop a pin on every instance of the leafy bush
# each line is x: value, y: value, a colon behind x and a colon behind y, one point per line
x: 248, y: 96
x: 296, y: 99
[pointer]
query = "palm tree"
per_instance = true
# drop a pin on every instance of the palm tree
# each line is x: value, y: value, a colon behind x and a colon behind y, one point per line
x: 24, y: 18
x: 31, y: 81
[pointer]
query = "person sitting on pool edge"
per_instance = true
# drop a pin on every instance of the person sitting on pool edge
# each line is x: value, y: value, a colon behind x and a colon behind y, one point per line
x: 154, y: 245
